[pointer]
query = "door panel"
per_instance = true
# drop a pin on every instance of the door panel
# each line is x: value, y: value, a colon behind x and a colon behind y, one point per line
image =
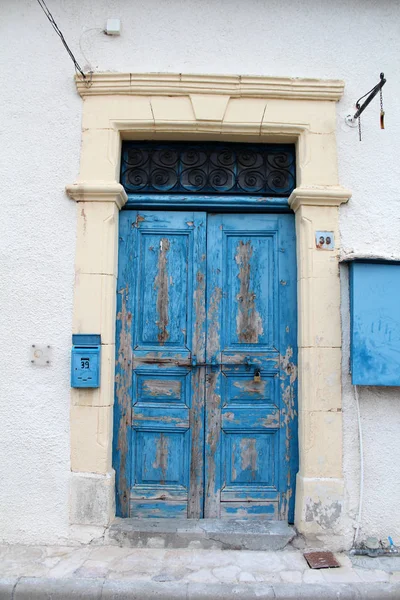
x: 164, y: 477
x: 250, y: 404
x: 164, y: 314
x: 206, y: 378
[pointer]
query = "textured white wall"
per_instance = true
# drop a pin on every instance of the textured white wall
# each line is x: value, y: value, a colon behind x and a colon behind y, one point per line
x: 39, y: 154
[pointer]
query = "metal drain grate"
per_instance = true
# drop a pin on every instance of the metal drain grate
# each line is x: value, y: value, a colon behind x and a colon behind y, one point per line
x: 321, y: 560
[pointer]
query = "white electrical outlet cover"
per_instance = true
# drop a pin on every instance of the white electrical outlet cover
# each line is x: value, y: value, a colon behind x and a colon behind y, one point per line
x: 113, y: 27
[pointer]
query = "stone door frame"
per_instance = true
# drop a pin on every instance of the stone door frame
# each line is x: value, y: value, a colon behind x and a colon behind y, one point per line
x: 216, y: 108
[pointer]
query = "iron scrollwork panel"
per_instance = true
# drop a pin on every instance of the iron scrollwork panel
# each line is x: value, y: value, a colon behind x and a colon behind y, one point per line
x: 259, y: 169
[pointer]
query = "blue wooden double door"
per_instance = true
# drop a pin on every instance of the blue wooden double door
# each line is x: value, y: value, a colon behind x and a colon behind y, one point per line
x: 205, y: 412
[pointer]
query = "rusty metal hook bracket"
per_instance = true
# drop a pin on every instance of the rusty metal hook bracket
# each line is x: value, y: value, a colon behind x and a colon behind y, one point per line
x: 371, y: 95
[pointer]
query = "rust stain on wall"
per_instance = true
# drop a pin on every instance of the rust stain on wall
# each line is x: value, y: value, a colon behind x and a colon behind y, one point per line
x: 248, y: 321
x: 161, y: 285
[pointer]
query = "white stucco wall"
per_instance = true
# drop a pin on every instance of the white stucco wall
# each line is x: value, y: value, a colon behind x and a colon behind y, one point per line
x: 39, y: 154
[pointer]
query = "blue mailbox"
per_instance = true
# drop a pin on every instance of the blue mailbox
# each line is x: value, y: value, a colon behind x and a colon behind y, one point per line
x: 85, y: 361
x: 375, y: 323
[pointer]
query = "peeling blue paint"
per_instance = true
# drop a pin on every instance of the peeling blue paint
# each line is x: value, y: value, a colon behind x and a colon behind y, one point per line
x: 202, y: 436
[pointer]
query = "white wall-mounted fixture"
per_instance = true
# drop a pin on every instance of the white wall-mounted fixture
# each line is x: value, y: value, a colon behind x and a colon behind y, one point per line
x: 40, y: 354
x: 113, y: 27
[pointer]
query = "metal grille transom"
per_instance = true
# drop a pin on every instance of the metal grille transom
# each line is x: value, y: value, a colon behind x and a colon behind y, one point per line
x: 209, y: 168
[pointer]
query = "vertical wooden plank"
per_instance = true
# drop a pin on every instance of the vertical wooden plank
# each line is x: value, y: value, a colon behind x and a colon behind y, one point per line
x: 123, y: 370
x: 198, y: 348
x: 213, y: 379
x: 288, y: 363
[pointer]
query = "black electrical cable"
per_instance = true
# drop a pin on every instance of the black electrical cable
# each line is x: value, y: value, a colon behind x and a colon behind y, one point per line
x: 48, y: 14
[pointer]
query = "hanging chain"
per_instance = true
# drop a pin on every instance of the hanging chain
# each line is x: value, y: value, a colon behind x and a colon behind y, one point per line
x: 382, y: 116
x: 359, y: 128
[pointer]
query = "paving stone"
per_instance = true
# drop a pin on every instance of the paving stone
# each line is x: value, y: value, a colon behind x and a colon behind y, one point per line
x: 244, y: 576
x: 340, y: 575
x: 51, y: 561
x: 92, y: 569
x: 178, y: 559
x: 202, y: 576
x: 227, y: 574
x: 313, y: 576
x: 71, y: 563
x: 25, y: 554
x: 373, y: 576
x: 259, y: 578
x: 294, y: 561
x: 204, y: 558
x: 268, y: 561
x: 343, y: 560
x: 268, y: 577
x: 141, y: 563
x: 27, y: 569
x: 109, y: 553
x: 59, y: 551
x: 291, y: 576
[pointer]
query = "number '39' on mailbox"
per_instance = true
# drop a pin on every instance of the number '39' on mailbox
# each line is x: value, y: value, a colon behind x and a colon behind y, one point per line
x: 85, y: 361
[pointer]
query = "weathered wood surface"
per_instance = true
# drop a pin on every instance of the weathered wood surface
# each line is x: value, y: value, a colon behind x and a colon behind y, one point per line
x: 212, y: 299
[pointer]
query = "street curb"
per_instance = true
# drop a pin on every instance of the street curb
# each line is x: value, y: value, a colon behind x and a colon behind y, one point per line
x: 40, y: 588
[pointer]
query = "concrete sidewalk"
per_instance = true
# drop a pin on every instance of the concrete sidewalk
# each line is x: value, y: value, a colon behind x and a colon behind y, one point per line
x: 112, y: 572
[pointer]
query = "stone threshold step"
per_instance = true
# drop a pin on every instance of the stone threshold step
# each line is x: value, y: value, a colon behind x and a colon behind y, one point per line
x: 226, y: 534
